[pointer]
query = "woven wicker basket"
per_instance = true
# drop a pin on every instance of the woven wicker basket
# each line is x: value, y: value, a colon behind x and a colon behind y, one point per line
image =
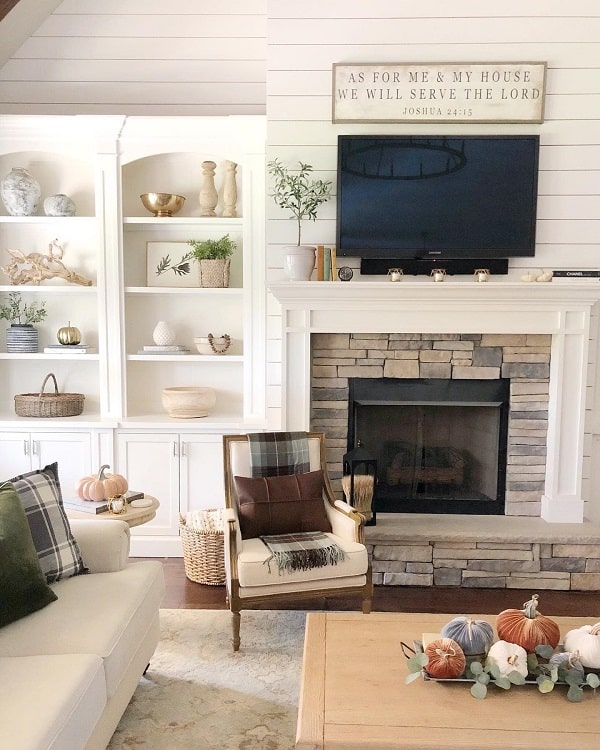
x: 49, y: 404
x: 214, y: 272
x: 203, y: 554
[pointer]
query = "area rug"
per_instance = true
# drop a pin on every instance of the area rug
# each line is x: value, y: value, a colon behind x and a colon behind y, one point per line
x: 199, y: 694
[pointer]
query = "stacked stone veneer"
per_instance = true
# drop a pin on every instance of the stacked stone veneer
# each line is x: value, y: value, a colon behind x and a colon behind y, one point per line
x: 525, y: 359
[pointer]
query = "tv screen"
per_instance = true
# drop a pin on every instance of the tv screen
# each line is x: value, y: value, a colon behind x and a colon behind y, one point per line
x: 436, y: 197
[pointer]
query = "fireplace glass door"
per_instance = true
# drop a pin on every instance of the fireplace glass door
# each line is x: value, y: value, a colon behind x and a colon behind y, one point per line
x: 440, y: 445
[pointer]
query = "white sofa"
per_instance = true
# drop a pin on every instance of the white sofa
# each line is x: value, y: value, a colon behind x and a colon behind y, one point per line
x: 68, y: 671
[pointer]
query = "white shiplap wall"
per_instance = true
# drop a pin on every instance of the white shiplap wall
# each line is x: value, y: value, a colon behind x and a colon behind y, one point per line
x: 305, y: 39
x: 199, y: 57
x: 141, y: 57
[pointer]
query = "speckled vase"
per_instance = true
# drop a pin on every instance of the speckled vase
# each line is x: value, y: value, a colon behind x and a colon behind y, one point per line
x: 59, y: 205
x: 20, y: 192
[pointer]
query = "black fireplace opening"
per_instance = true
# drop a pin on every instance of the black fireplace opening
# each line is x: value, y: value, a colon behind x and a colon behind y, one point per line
x: 440, y: 445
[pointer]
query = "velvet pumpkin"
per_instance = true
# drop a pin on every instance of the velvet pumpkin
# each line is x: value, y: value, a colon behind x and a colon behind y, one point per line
x: 527, y: 627
x: 567, y: 660
x: 586, y: 641
x: 473, y: 636
x: 102, y: 486
x: 508, y: 657
x: 446, y: 659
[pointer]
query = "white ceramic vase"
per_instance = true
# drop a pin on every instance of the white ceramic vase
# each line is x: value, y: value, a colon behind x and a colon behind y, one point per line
x: 163, y: 334
x: 299, y: 262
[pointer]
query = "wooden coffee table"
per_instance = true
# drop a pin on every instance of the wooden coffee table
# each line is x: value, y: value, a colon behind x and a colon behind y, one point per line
x: 354, y: 695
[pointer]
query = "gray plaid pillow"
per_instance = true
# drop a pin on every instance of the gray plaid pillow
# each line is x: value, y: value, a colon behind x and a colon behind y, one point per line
x: 41, y: 498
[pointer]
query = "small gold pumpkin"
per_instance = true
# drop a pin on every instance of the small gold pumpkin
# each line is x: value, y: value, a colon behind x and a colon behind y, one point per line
x: 69, y: 335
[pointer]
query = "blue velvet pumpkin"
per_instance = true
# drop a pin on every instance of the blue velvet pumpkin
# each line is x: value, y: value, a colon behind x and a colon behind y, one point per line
x: 473, y: 636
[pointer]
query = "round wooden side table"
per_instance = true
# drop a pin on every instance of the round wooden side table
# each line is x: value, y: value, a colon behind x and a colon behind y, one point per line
x: 132, y: 516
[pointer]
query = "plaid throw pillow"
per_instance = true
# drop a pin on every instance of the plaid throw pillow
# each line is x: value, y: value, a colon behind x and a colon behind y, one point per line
x: 41, y: 498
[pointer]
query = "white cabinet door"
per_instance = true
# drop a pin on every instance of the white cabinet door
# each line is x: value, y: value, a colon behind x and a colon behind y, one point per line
x: 71, y: 450
x: 150, y: 463
x: 21, y: 452
x: 15, y: 454
x: 201, y: 483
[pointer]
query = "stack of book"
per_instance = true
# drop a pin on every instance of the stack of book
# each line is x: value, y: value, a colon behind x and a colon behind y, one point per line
x: 169, y: 349
x: 69, y: 349
x: 326, y: 263
x: 96, y: 506
x: 584, y: 274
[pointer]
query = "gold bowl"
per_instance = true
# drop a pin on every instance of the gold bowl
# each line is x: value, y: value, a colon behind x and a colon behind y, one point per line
x: 162, y: 204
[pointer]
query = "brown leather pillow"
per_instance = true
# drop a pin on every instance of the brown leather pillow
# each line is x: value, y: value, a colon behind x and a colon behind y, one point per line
x: 281, y: 505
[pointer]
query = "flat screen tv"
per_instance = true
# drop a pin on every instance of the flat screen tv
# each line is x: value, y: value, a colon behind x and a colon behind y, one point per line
x: 436, y: 198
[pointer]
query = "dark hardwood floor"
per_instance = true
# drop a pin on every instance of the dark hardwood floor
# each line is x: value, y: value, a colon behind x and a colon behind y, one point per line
x: 181, y: 593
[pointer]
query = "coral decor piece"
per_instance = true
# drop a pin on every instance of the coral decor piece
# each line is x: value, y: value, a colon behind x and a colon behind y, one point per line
x: 37, y: 267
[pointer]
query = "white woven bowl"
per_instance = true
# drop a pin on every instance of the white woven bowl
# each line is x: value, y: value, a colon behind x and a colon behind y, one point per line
x: 188, y: 402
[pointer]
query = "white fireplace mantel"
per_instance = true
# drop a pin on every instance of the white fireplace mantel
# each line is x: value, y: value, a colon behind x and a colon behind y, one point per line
x: 562, y: 309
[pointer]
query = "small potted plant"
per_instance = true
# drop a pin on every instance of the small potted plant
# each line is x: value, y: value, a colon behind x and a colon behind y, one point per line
x: 21, y: 336
x: 214, y: 260
x: 298, y: 193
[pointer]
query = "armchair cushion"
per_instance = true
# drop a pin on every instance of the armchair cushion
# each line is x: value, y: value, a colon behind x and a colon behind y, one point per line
x: 281, y: 505
x: 253, y: 570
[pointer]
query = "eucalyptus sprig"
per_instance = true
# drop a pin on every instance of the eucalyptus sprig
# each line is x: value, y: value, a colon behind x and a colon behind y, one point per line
x: 546, y: 675
x: 296, y: 192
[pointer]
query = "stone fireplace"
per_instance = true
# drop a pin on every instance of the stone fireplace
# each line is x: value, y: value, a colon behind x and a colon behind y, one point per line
x: 457, y: 330
x: 433, y: 393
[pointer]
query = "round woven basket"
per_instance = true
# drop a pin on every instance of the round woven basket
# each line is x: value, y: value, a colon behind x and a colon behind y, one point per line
x: 49, y: 404
x: 203, y: 554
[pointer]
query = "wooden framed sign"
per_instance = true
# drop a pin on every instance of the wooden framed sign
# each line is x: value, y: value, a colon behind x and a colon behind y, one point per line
x: 439, y: 92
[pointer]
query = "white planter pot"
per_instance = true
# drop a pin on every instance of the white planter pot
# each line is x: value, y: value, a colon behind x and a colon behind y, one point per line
x: 299, y: 262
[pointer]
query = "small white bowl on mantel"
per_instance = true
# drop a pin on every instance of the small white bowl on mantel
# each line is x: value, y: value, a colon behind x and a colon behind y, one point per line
x: 188, y: 402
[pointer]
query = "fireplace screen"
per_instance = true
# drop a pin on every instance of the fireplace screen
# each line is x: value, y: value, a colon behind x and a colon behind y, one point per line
x: 440, y: 445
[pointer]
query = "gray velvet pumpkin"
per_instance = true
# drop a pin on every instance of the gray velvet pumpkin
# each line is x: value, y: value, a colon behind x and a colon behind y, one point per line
x: 473, y: 636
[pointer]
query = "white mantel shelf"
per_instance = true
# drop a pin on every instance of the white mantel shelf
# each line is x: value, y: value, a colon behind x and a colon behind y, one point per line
x: 542, y: 302
x: 561, y: 309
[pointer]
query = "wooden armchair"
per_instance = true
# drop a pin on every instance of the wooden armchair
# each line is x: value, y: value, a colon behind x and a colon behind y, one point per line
x: 251, y: 575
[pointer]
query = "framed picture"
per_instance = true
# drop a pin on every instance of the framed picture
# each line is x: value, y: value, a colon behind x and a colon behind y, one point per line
x: 170, y: 264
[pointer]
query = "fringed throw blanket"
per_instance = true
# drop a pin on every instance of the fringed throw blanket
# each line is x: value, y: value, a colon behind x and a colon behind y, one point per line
x: 273, y: 454
x: 304, y: 551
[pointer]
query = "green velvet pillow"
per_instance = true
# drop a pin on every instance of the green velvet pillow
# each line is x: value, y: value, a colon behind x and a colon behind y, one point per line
x: 23, y: 587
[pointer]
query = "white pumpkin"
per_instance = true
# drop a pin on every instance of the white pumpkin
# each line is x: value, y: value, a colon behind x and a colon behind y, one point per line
x: 508, y: 657
x: 473, y: 636
x: 585, y: 640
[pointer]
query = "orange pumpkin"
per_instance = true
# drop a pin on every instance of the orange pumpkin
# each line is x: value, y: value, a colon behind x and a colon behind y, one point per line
x: 527, y: 627
x: 102, y: 486
x: 446, y: 659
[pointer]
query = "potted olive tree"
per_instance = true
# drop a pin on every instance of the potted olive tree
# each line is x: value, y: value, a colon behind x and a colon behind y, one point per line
x: 21, y: 335
x: 214, y: 260
x: 302, y: 196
